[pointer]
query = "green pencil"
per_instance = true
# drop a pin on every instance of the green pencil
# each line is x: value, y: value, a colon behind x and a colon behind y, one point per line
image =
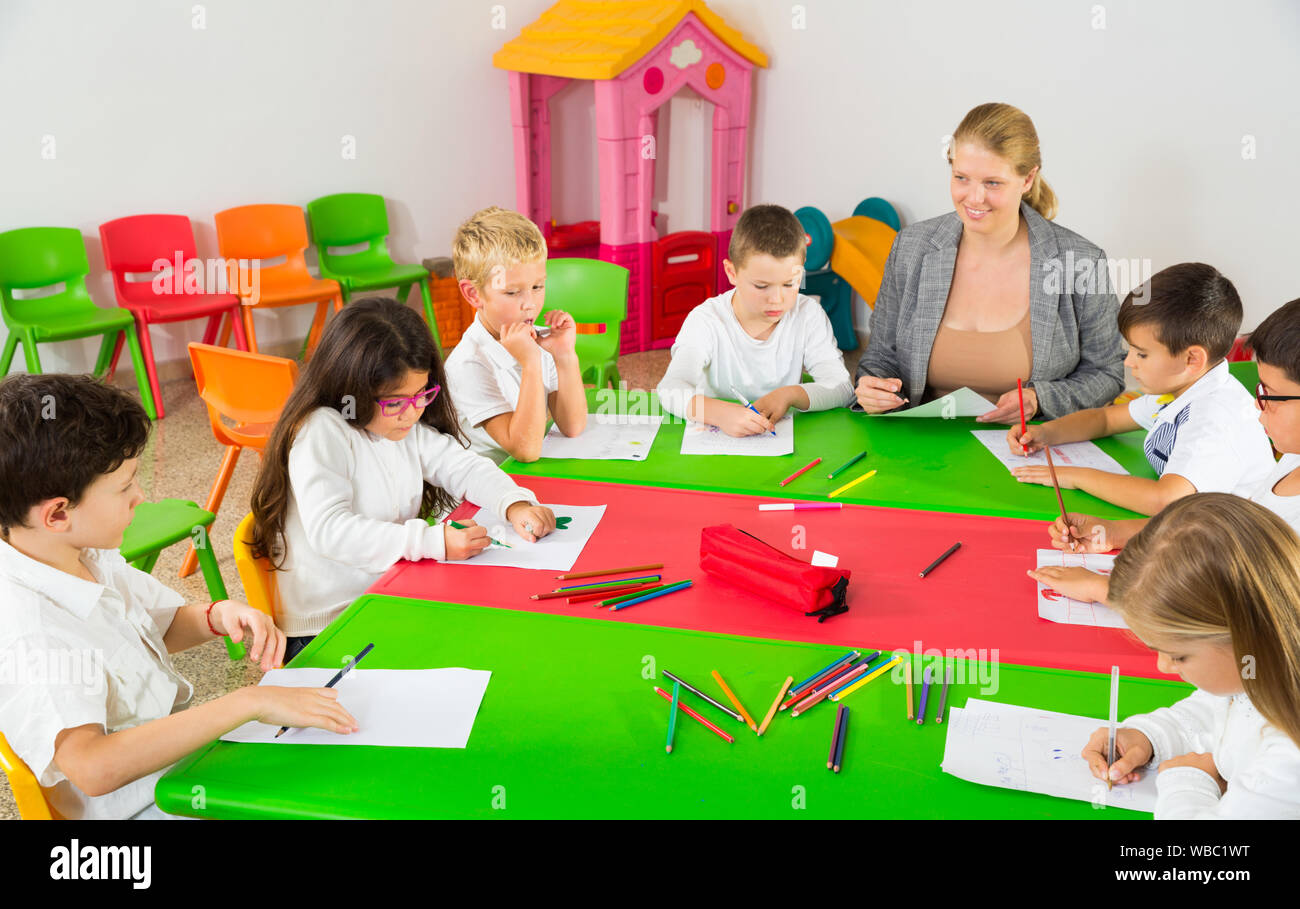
x: 642, y: 578
x: 849, y: 463
x: 459, y: 526
x: 629, y: 596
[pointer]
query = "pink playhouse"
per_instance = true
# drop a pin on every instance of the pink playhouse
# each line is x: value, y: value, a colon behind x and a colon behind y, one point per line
x: 638, y: 54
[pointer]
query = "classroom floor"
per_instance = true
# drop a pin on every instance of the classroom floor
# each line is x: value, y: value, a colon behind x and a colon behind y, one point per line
x: 180, y: 461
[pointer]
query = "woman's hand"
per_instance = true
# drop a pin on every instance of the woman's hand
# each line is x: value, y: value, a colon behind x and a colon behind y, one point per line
x: 1007, y: 409
x: 879, y: 395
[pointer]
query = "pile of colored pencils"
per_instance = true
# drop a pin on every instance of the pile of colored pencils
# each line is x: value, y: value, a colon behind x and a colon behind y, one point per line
x: 617, y: 594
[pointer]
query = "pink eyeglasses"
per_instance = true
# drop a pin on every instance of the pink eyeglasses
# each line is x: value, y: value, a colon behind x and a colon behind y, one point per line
x: 395, y: 407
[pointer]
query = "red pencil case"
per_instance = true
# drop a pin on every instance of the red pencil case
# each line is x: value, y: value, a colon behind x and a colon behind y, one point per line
x: 735, y: 557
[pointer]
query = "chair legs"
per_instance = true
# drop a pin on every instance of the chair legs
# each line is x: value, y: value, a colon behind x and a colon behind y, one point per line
x: 151, y: 368
x: 30, y: 356
x: 216, y: 588
x: 428, y: 312
x: 249, y: 331
x: 224, y: 473
x: 11, y: 347
x: 141, y: 372
x: 109, y: 346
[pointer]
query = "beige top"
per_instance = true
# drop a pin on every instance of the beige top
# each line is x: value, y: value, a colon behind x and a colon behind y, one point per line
x: 988, y: 362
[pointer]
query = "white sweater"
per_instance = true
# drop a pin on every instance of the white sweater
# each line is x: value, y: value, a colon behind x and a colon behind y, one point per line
x: 713, y: 354
x: 1260, y: 762
x: 354, y: 508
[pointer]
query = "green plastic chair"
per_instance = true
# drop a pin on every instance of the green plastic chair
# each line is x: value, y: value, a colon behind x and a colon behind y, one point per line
x: 157, y: 525
x: 41, y: 257
x: 350, y: 219
x: 594, y: 293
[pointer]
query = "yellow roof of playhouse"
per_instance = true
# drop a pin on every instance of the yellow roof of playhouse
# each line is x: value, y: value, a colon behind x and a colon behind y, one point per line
x: 598, y: 39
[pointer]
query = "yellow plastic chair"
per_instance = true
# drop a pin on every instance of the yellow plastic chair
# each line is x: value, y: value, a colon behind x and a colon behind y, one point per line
x: 32, y: 805
x: 260, y: 589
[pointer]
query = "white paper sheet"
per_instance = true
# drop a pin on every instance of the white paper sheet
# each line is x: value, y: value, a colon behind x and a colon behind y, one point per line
x: 1056, y: 607
x: 703, y: 439
x: 961, y: 403
x: 407, y: 708
x: 1034, y: 751
x: 1071, y: 454
x: 554, y: 552
x: 608, y: 437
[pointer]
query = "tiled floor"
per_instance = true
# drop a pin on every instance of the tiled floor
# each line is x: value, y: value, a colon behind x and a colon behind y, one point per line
x: 180, y: 461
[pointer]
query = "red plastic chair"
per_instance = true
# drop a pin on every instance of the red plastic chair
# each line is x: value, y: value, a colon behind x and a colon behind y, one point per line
x: 131, y: 246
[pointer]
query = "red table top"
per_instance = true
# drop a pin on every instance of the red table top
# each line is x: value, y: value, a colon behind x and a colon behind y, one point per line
x: 979, y: 604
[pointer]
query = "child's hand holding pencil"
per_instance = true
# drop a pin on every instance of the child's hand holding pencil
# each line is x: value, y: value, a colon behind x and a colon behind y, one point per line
x: 1133, y: 748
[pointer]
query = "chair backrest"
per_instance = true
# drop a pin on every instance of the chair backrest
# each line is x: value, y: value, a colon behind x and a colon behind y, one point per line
x: 30, y: 798
x: 878, y: 208
x: 260, y: 589
x: 592, y: 291
x: 132, y: 245
x: 254, y: 233
x: 348, y: 219
x: 36, y: 257
x: 241, y: 386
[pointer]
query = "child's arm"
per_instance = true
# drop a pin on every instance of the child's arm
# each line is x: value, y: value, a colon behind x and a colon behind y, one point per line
x: 98, y: 763
x: 520, y: 431
x: 1081, y: 426
x: 189, y: 628
x: 1140, y: 494
x: 679, y: 395
x: 568, y: 403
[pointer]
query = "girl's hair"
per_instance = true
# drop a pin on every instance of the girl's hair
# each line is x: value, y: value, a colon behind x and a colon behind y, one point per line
x: 1220, y: 569
x: 365, y: 352
x: 1009, y: 133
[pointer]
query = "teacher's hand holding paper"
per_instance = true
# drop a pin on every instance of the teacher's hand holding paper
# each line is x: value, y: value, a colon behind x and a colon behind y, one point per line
x: 878, y: 395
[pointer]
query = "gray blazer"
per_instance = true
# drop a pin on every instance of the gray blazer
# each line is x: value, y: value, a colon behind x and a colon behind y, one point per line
x: 1078, y: 355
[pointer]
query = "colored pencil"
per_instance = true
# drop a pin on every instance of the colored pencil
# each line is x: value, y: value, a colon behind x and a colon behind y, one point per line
x: 610, y: 601
x: 1051, y: 468
x: 1114, y: 718
x: 939, y: 561
x: 812, y: 679
x: 801, y: 506
x: 911, y: 713
x: 604, y: 592
x: 692, y: 714
x: 644, y: 577
x: 574, y: 575
x: 817, y: 696
x: 652, y: 594
x: 771, y: 711
x: 943, y: 695
x: 747, y: 404
x: 835, y: 737
x: 875, y: 673
x: 459, y: 526
x: 844, y: 734
x: 672, y: 716
x: 735, y: 701
x: 593, y: 597
x: 338, y: 676
x: 700, y: 694
x: 829, y: 680
x: 847, y: 464
x: 1020, y: 392
x: 849, y: 485
x: 800, y: 471
x: 925, y: 694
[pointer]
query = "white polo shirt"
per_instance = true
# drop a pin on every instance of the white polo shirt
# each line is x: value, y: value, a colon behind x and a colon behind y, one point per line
x: 1210, y: 434
x: 484, y: 378
x: 74, y: 653
x: 713, y: 354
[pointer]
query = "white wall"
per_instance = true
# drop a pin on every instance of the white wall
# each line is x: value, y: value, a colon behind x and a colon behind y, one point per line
x: 1141, y: 121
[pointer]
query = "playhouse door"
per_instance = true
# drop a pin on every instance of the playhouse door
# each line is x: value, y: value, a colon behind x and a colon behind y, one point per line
x: 683, y: 275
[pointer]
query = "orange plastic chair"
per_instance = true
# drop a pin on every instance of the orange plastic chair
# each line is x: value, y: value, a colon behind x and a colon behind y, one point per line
x: 28, y: 794
x: 250, y: 235
x: 260, y: 589
x: 248, y: 389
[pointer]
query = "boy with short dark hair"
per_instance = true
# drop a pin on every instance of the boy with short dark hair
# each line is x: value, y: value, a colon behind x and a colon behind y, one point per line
x: 89, y: 696
x: 1203, y: 432
x: 757, y: 339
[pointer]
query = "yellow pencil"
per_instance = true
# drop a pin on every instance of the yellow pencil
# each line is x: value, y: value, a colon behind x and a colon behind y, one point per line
x: 736, y: 701
x: 911, y: 713
x: 866, y: 678
x: 771, y: 711
x: 849, y: 485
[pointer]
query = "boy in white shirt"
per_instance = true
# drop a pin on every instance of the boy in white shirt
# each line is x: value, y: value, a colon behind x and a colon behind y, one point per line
x: 1203, y: 434
x: 93, y: 704
x: 504, y: 375
x: 757, y: 339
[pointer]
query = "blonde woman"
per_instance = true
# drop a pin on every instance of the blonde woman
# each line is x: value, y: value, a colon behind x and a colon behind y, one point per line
x: 994, y: 291
x: 1212, y: 585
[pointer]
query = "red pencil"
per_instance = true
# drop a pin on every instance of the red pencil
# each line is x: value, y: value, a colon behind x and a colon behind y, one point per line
x: 801, y: 470
x: 692, y: 714
x: 604, y: 594
x: 1020, y: 392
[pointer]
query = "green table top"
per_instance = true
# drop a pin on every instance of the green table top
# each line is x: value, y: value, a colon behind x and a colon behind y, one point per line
x: 927, y: 464
x: 570, y: 728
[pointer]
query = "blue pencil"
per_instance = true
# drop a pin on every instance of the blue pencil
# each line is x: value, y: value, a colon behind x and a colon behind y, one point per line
x: 672, y: 715
x: 650, y: 596
x: 868, y: 672
x: 851, y: 655
x: 925, y: 691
